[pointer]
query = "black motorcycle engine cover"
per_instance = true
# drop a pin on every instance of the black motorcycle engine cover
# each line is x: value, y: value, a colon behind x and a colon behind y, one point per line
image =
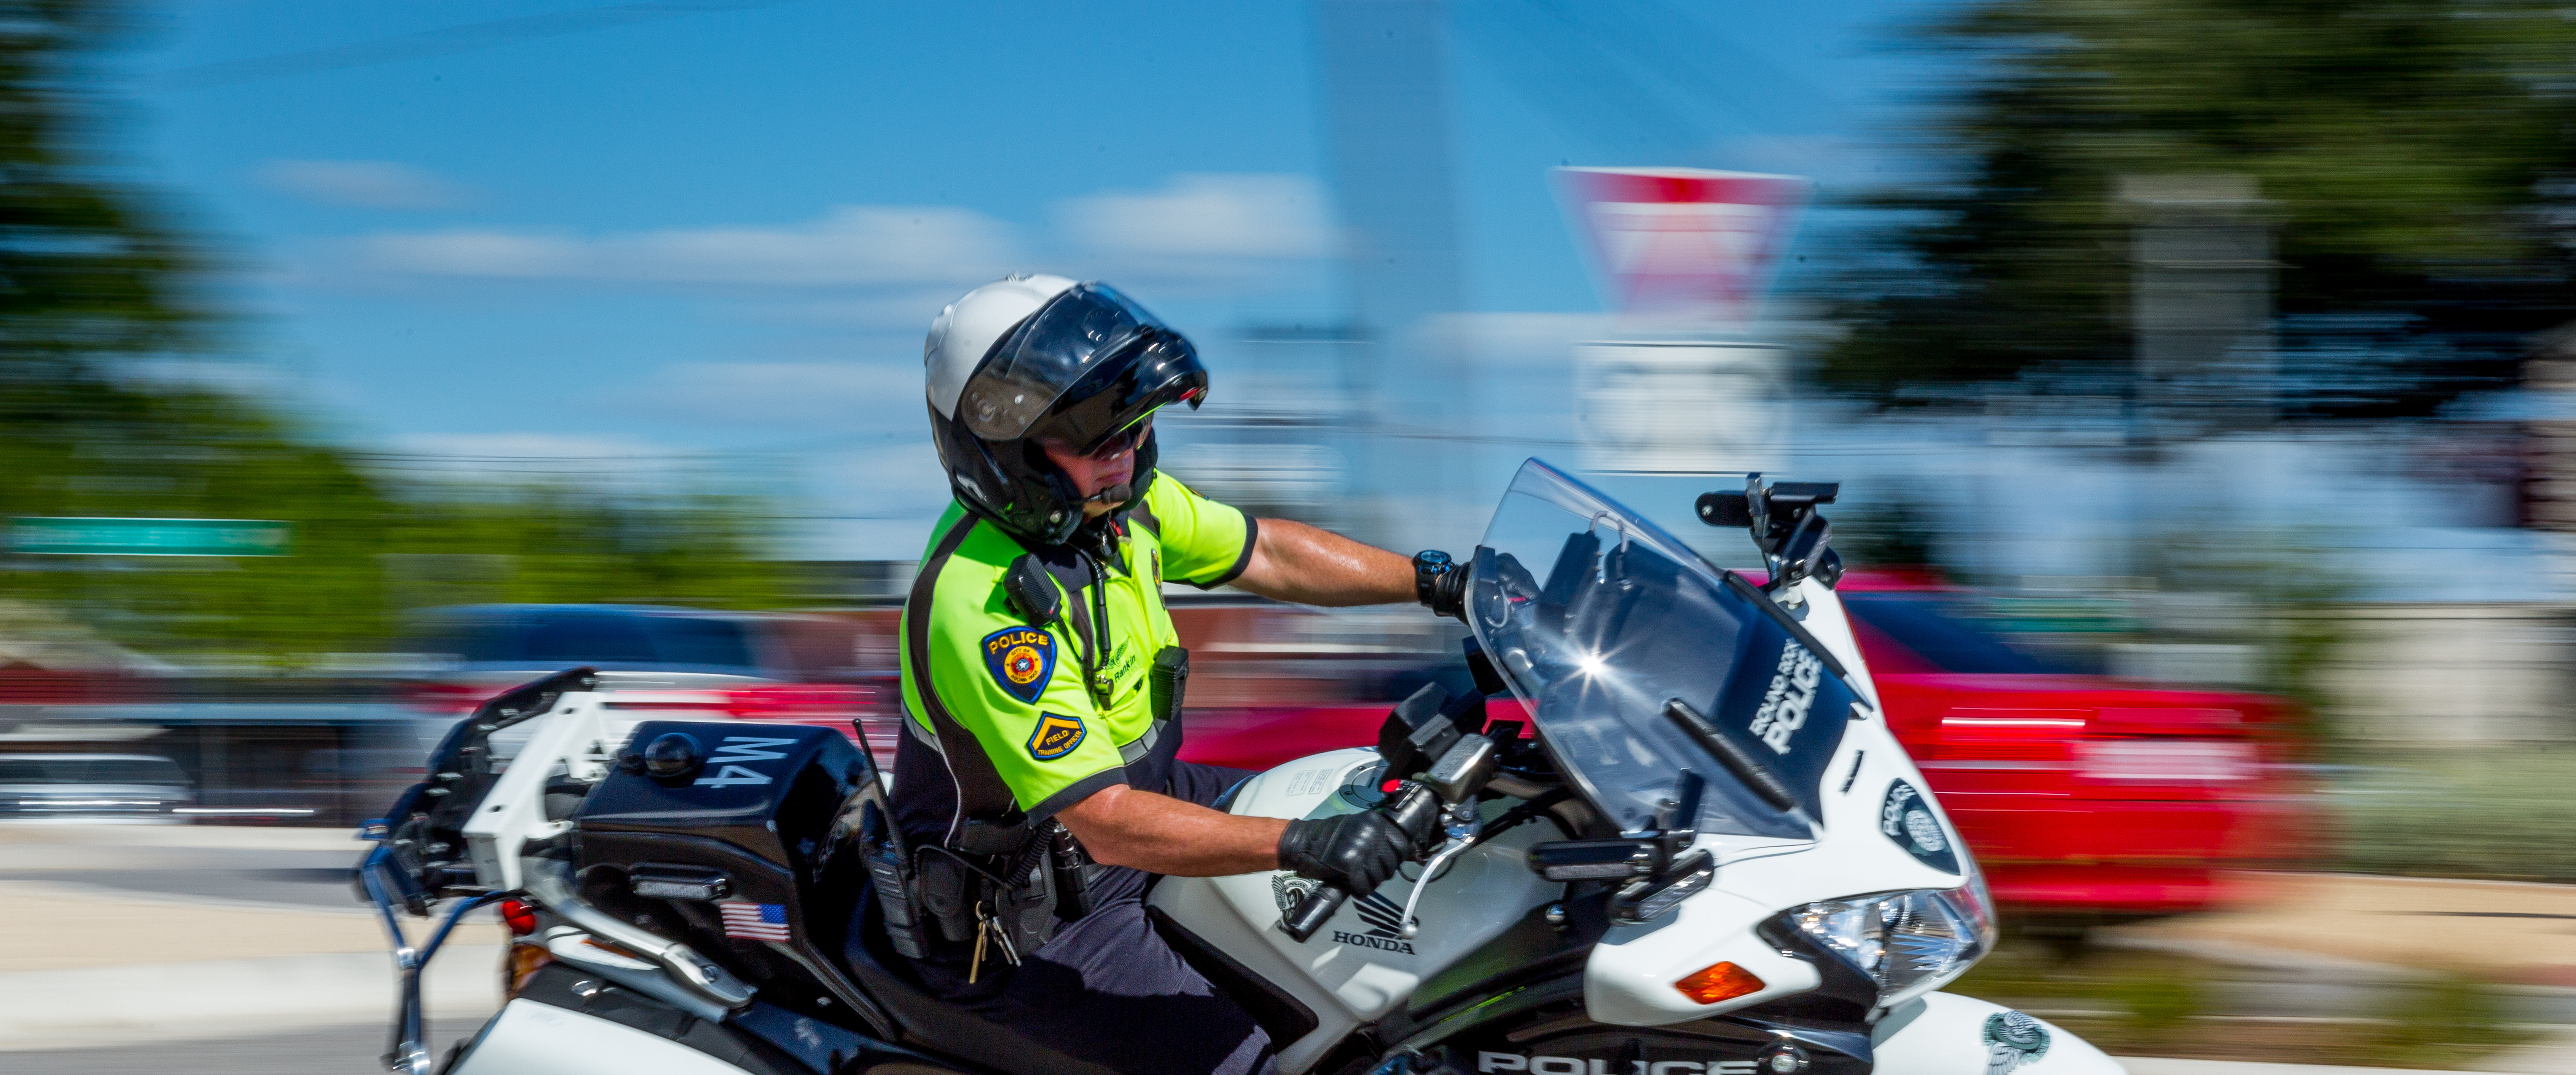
x: 775, y: 793
x: 755, y: 839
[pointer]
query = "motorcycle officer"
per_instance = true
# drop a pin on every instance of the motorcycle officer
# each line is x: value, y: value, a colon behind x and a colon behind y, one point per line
x: 1042, y: 678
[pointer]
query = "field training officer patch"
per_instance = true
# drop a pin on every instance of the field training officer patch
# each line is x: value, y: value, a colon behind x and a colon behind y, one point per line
x: 1020, y: 659
x: 1056, y: 736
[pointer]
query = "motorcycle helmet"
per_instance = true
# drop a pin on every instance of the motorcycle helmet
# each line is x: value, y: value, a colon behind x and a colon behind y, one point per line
x: 1031, y: 357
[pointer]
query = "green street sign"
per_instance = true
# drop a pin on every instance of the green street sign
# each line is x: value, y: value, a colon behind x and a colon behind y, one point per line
x: 148, y: 537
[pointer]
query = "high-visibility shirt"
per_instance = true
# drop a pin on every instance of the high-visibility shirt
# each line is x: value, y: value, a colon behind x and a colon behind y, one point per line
x: 1003, y: 718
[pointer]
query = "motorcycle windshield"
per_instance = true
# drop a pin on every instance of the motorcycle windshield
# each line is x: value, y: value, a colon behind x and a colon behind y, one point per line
x: 1600, y: 619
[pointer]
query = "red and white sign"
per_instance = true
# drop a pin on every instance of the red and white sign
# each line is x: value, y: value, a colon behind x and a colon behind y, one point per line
x: 1683, y: 242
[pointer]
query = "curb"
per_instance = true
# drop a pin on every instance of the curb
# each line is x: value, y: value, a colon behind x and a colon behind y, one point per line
x: 128, y: 1005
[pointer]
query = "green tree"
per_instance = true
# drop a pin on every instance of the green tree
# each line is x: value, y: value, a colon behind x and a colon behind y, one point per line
x: 95, y: 282
x: 2411, y: 151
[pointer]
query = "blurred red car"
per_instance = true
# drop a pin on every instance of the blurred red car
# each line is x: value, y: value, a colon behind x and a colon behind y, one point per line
x: 669, y: 664
x: 2080, y: 794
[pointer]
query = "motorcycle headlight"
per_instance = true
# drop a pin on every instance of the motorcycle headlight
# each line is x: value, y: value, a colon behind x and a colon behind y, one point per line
x: 1910, y: 943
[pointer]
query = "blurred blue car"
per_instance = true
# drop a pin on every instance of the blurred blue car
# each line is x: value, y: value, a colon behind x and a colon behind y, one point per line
x: 512, y: 643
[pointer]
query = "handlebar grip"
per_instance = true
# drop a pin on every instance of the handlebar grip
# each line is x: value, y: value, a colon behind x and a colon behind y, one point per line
x: 1312, y: 911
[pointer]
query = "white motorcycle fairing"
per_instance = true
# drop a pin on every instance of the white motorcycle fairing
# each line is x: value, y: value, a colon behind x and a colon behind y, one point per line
x: 529, y: 1038
x: 1597, y: 646
x: 1947, y: 1034
x: 1359, y: 968
x: 1361, y: 965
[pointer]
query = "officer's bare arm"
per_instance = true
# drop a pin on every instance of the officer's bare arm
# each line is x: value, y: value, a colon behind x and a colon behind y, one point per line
x: 1122, y: 826
x: 1292, y: 561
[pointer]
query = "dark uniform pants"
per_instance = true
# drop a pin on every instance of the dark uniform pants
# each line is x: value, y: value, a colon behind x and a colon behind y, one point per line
x: 1107, y: 989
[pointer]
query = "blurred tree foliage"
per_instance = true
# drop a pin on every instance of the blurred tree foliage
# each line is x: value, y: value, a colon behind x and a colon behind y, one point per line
x: 1889, y: 530
x: 2415, y: 155
x: 2498, y: 813
x: 94, y: 283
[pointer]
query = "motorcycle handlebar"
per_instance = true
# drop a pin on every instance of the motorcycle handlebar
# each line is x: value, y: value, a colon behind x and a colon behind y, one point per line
x: 1415, y: 809
x: 1312, y: 911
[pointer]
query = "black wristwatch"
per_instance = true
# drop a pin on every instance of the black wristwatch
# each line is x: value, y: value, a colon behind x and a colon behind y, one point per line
x: 1440, y: 583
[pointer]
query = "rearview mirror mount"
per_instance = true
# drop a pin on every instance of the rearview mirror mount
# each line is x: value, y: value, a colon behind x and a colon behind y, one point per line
x: 1782, y: 520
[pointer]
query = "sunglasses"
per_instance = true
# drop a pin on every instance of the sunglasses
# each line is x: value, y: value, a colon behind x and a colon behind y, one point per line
x: 1118, y: 444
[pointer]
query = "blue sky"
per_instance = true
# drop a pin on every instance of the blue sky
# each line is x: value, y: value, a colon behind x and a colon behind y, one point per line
x: 504, y: 230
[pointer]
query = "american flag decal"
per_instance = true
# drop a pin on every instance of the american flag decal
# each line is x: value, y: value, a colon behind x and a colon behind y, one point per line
x: 745, y: 921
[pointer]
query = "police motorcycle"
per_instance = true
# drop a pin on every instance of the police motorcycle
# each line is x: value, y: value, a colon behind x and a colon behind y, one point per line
x: 1675, y: 837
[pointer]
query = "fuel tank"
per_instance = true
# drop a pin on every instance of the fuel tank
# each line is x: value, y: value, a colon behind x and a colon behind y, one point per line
x: 1361, y: 965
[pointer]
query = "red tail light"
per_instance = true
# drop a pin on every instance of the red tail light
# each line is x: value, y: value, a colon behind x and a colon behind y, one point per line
x: 521, y: 918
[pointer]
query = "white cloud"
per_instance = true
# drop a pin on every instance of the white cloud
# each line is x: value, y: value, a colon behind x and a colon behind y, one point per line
x: 859, y: 246
x: 782, y: 393
x: 533, y: 457
x: 522, y: 446
x: 368, y: 184
x: 1199, y: 232
x: 1199, y: 216
x: 905, y: 309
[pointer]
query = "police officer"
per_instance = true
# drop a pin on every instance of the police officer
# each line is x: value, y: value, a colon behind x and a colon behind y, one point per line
x: 1042, y: 676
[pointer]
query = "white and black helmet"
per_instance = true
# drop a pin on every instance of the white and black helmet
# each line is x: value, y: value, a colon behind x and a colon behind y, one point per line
x: 1043, y: 356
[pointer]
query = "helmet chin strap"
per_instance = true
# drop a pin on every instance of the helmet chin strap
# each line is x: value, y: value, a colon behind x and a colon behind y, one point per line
x: 1116, y: 494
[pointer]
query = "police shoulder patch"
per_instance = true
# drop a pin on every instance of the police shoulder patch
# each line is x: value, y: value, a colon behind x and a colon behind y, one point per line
x: 1056, y: 736
x: 1020, y: 659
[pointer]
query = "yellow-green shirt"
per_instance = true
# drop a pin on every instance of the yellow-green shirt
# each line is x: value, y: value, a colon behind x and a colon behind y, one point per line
x: 1008, y: 722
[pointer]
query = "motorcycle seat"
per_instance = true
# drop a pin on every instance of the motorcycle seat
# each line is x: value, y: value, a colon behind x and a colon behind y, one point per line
x: 933, y: 1025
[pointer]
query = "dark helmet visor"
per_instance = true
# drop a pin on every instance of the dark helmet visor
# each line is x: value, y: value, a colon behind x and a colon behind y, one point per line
x: 1089, y: 363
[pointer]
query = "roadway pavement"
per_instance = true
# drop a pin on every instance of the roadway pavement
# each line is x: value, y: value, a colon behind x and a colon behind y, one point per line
x: 224, y: 950
x: 339, y: 1050
x: 207, y: 949
x: 300, y: 867
x: 2495, y: 931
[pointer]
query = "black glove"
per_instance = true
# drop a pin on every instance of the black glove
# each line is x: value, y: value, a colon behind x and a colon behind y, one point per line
x: 1352, y: 852
x: 1440, y: 583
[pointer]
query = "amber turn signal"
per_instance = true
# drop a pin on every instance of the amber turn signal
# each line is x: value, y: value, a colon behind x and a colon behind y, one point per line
x: 523, y: 962
x: 1723, y: 981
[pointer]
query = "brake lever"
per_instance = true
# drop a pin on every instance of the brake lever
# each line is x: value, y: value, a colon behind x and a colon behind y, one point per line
x: 1413, y: 806
x: 1407, y: 924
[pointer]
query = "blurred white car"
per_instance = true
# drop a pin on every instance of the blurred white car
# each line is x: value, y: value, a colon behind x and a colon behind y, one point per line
x: 91, y: 786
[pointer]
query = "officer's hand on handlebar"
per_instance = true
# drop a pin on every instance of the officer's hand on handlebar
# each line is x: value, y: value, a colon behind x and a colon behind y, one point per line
x: 1352, y: 852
